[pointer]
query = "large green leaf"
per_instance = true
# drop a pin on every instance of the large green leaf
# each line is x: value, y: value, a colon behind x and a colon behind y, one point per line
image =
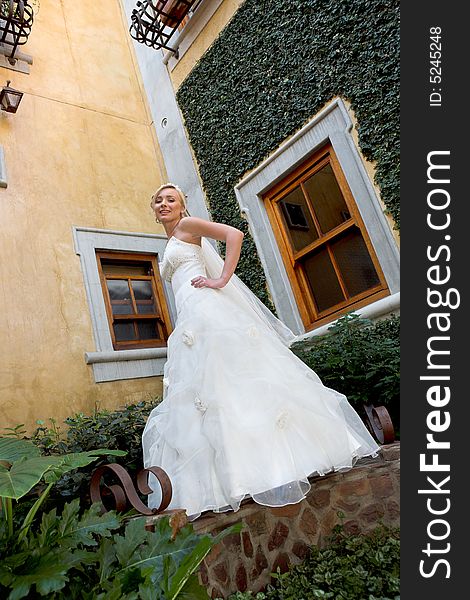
x: 24, y: 475
x: 12, y: 449
x: 28, y: 468
x: 193, y: 590
x: 106, y: 557
x: 92, y: 523
x: 69, y: 462
x: 192, y: 561
x: 47, y: 571
x: 71, y: 530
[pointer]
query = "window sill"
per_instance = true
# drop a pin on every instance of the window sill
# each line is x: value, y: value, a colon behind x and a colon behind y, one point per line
x: 381, y: 308
x: 126, y: 364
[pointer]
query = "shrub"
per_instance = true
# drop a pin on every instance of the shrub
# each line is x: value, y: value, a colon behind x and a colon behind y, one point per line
x: 360, y: 359
x: 89, y: 556
x: 350, y: 568
x: 120, y: 429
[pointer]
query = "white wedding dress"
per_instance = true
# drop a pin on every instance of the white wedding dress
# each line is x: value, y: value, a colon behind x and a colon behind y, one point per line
x: 241, y: 414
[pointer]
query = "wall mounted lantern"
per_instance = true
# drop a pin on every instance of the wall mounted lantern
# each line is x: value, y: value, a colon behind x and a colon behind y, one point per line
x: 10, y: 98
x: 16, y: 20
x: 154, y: 22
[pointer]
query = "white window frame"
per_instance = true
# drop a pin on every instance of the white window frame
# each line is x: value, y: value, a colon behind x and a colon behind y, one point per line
x: 333, y: 124
x: 109, y: 364
x: 183, y: 39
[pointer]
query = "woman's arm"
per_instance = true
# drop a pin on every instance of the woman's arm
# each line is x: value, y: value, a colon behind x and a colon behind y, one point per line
x: 195, y: 227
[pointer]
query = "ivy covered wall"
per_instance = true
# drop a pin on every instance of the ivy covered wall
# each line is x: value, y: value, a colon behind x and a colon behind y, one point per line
x: 271, y: 69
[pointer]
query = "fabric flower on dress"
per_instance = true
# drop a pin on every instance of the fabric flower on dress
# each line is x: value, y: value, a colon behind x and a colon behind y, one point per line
x: 200, y: 405
x: 188, y: 337
x: 253, y: 332
x: 166, y: 382
x: 282, y: 420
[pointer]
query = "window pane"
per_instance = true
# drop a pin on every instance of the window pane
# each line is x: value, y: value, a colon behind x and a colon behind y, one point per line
x: 297, y: 219
x: 327, y: 199
x: 124, y: 332
x: 354, y: 262
x: 124, y: 268
x: 148, y: 330
x: 143, y: 294
x: 322, y: 279
x: 120, y: 296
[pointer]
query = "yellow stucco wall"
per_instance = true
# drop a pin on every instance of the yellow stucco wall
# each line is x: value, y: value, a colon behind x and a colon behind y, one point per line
x: 79, y: 151
x: 211, y: 30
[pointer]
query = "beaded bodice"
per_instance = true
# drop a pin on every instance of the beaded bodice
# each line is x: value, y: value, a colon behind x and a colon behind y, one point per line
x: 178, y: 253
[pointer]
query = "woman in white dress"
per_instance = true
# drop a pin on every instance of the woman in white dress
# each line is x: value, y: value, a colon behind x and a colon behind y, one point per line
x: 241, y: 416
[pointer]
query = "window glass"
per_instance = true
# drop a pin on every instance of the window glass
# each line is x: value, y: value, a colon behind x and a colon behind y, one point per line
x: 354, y: 262
x: 297, y: 219
x: 327, y: 199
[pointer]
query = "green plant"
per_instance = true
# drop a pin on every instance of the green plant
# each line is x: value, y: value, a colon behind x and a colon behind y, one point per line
x: 22, y: 468
x: 120, y: 429
x: 90, y: 556
x: 352, y: 567
x: 278, y: 79
x: 360, y: 359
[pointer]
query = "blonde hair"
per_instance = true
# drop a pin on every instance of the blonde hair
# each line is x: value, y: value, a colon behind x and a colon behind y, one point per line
x: 178, y: 190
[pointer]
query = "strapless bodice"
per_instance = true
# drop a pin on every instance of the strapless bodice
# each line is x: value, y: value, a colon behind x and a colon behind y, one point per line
x: 182, y: 261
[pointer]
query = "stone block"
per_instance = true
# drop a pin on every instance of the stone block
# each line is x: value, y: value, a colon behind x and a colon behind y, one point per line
x: 282, y: 562
x: 278, y: 536
x: 220, y: 572
x: 260, y: 560
x: 347, y: 507
x: 256, y: 522
x: 319, y: 498
x: 372, y: 513
x: 214, y: 553
x: 393, y: 510
x: 291, y: 510
x: 357, y: 487
x: 308, y: 523
x: 382, y: 486
x: 241, y: 580
x: 352, y: 527
x: 300, y: 550
x: 232, y: 541
x: 328, y: 521
x: 247, y: 545
x: 391, y: 452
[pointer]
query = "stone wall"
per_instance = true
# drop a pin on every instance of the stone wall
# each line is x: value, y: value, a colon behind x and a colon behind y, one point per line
x: 278, y: 537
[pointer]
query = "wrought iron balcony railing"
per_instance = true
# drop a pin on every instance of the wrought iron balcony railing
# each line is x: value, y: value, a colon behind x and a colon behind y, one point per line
x: 154, y: 22
x: 16, y: 20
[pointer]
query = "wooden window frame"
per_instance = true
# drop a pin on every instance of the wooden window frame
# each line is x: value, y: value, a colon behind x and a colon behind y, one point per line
x: 309, y: 313
x: 163, y: 317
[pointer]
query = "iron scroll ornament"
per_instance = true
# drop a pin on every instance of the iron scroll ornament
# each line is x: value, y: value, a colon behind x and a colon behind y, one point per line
x: 379, y: 423
x: 16, y: 21
x: 154, y: 22
x: 126, y: 493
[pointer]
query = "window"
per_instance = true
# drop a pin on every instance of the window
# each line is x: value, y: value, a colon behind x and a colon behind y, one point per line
x: 140, y: 252
x: 135, y: 304
x: 327, y: 135
x: 323, y: 242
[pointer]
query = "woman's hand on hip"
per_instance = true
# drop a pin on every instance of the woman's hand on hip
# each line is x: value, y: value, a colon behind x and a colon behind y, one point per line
x: 215, y: 284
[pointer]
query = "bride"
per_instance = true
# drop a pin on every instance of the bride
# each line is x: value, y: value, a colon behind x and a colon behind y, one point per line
x: 241, y: 416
